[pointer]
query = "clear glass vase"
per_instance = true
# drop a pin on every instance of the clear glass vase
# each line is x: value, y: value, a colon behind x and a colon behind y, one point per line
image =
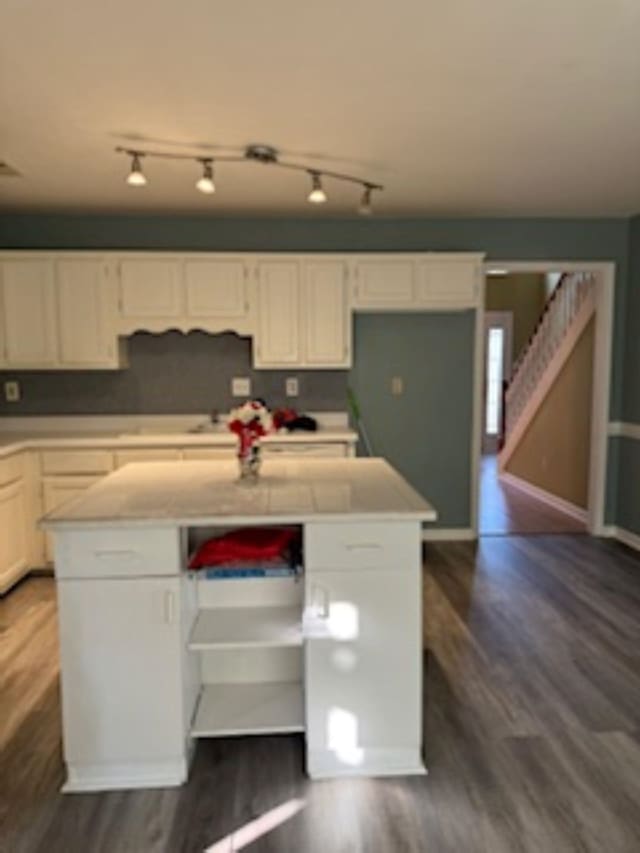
x: 249, y: 462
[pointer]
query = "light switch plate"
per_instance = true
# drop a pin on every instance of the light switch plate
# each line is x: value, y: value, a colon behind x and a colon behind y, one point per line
x: 241, y: 386
x: 397, y: 386
x: 291, y: 386
x: 12, y: 391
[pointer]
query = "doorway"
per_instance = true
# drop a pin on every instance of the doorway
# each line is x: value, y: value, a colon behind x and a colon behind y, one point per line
x: 511, y: 499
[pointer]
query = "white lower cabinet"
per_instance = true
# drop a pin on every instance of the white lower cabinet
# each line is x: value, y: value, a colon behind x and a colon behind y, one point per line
x: 14, y: 544
x: 363, y: 671
x: 122, y: 691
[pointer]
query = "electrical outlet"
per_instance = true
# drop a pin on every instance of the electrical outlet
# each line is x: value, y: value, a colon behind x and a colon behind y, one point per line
x: 397, y: 386
x: 291, y: 386
x: 241, y: 386
x: 12, y: 391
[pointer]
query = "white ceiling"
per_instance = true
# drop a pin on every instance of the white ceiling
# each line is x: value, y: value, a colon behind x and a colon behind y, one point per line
x: 460, y: 107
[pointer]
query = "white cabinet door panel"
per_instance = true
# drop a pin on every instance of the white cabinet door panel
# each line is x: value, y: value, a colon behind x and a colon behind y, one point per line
x: 29, y: 303
x: 14, y: 547
x: 278, y: 340
x: 447, y: 282
x: 327, y: 321
x: 150, y: 288
x: 382, y: 283
x: 363, y: 664
x: 121, y: 670
x: 216, y: 288
x: 86, y: 312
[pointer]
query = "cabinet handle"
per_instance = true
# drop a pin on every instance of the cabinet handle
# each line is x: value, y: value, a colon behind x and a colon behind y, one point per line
x: 319, y: 601
x: 169, y: 607
x: 364, y: 546
x: 128, y: 556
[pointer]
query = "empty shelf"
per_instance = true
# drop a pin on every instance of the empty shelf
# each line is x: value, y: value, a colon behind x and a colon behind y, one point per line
x: 231, y: 627
x: 243, y: 709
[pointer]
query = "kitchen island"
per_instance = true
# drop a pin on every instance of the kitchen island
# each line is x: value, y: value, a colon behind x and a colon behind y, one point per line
x: 155, y: 656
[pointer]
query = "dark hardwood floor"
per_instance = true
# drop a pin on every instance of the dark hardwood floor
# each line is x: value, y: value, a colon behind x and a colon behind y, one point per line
x: 505, y: 509
x: 532, y: 721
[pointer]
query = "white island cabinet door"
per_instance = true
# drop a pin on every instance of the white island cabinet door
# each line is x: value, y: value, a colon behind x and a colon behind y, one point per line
x: 86, y: 307
x: 29, y: 307
x: 278, y: 339
x: 363, y: 672
x: 327, y: 323
x: 121, y: 682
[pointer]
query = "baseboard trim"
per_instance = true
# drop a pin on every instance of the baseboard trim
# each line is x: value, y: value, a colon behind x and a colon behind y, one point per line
x: 577, y: 512
x: 627, y: 537
x: 449, y: 534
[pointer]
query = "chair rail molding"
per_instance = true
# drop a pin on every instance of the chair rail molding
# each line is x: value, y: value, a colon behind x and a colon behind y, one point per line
x: 624, y: 429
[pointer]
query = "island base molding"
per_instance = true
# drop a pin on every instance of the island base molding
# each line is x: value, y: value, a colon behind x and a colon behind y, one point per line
x: 326, y: 764
x: 120, y: 777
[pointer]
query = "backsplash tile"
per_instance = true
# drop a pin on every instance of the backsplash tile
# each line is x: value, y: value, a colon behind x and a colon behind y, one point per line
x: 172, y: 373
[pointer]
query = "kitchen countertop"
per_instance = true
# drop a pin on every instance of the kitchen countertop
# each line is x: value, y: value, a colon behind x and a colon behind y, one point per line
x: 50, y: 433
x: 288, y: 491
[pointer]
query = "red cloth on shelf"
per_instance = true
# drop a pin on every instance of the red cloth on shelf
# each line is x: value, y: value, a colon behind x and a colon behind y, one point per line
x: 246, y: 544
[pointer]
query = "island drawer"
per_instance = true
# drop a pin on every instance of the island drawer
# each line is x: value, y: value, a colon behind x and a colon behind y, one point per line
x: 77, y: 461
x: 109, y: 553
x: 361, y: 545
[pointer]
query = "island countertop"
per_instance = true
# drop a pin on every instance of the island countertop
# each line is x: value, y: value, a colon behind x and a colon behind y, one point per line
x: 287, y: 491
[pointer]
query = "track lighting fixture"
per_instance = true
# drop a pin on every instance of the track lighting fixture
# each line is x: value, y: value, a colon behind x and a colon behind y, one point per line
x: 205, y: 183
x: 317, y: 194
x: 365, y: 208
x: 265, y: 155
x: 136, y: 177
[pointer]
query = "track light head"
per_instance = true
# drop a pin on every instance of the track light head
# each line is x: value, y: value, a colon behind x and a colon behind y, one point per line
x: 365, y: 208
x: 136, y: 177
x: 205, y: 183
x: 317, y: 194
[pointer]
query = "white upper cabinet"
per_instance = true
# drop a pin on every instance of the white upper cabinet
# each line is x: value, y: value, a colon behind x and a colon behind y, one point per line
x: 150, y: 288
x: 278, y: 340
x: 327, y: 319
x: 422, y: 282
x: 448, y: 280
x: 384, y: 283
x: 216, y: 288
x: 86, y: 311
x: 58, y: 313
x: 29, y: 313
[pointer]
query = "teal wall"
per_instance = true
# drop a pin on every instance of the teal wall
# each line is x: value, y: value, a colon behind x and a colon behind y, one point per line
x: 507, y: 239
x: 627, y: 510
x: 424, y: 432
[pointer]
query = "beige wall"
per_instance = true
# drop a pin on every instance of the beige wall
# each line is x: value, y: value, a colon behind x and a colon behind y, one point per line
x: 554, y: 451
x: 524, y: 294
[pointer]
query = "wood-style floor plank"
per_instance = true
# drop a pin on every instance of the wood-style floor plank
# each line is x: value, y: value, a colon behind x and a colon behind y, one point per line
x: 532, y: 722
x: 505, y: 509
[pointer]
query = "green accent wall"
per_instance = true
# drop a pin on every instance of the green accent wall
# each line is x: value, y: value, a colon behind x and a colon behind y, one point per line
x: 501, y: 239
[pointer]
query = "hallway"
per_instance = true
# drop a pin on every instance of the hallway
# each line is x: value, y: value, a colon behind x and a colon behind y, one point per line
x: 504, y: 509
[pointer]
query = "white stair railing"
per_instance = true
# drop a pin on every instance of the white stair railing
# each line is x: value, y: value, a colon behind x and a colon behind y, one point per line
x: 563, y: 306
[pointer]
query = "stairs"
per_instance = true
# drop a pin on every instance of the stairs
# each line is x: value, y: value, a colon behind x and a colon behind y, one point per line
x: 565, y: 317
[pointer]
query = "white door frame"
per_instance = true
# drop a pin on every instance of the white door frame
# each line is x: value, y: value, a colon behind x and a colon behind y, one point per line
x: 604, y: 273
